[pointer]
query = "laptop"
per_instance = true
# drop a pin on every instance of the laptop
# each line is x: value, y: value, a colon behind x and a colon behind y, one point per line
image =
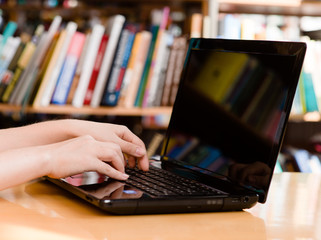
x: 223, y: 138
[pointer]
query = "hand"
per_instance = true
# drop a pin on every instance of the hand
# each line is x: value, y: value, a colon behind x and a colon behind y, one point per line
x: 83, y: 154
x: 129, y: 143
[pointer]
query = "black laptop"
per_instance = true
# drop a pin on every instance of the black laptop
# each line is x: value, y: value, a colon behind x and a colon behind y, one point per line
x: 223, y: 138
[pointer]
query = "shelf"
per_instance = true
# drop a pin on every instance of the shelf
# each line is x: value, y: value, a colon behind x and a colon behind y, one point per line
x: 306, y: 8
x: 56, y: 109
x: 307, y: 117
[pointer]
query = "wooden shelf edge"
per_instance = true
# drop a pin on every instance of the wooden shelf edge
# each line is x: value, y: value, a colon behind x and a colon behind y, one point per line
x: 86, y: 110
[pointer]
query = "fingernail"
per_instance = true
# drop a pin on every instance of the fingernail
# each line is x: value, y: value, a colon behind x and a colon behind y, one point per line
x: 125, y: 176
x: 140, y: 151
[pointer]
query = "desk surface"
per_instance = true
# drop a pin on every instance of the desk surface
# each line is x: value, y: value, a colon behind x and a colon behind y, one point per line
x: 40, y: 210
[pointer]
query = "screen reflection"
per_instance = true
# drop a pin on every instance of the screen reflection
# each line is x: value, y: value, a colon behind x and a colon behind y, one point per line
x: 102, y: 187
x: 229, y: 114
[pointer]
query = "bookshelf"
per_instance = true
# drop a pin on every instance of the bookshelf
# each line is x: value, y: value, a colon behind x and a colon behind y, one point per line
x: 137, y: 11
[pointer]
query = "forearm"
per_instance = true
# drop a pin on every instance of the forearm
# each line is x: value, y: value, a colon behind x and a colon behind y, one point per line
x: 22, y: 165
x: 36, y: 134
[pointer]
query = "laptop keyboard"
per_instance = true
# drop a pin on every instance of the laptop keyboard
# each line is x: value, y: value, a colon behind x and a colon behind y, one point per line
x: 159, y: 182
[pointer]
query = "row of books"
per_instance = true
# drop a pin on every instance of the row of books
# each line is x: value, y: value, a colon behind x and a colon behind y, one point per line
x: 308, y: 94
x: 293, y: 159
x: 116, y: 63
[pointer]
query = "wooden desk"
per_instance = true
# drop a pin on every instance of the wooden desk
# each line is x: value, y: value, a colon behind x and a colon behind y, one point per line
x: 39, y: 210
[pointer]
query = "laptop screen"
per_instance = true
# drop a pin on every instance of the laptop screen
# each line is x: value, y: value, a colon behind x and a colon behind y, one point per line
x: 232, y: 107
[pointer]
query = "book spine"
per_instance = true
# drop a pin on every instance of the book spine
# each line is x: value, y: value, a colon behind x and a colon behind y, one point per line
x: 143, y: 81
x: 156, y: 58
x: 37, y: 39
x: 138, y: 66
x: 7, y: 33
x: 97, y: 66
x: 129, y: 70
x: 157, y: 97
x: 92, y: 50
x: 196, y: 25
x: 27, y: 83
x: 21, y: 65
x: 8, y: 53
x: 170, y: 72
x: 112, y: 90
x: 114, y: 30
x: 75, y: 81
x: 50, y: 87
x: 123, y: 68
x: 68, y: 69
x: 178, y: 69
x: 8, y: 74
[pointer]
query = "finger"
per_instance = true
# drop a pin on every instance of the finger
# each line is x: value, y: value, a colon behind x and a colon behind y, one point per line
x: 111, y: 172
x: 134, y: 146
x: 143, y: 163
x: 128, y: 136
x: 132, y: 149
x: 131, y: 161
x: 111, y: 153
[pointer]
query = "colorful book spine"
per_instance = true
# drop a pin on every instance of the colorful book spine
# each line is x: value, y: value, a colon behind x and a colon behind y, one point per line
x: 135, y: 69
x: 7, y: 33
x: 143, y: 81
x: 50, y: 87
x: 92, y: 50
x: 68, y: 69
x: 112, y: 90
x: 8, y: 73
x: 21, y: 65
x: 97, y: 66
x: 114, y: 28
x: 75, y: 81
x: 26, y: 86
x: 8, y: 53
x: 158, y: 53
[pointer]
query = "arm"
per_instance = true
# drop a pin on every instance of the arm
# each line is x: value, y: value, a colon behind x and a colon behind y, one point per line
x: 60, y: 130
x: 61, y: 159
x: 67, y: 147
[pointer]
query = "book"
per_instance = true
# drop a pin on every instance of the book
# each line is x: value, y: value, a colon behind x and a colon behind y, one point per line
x: 170, y: 71
x: 7, y: 33
x: 152, y: 78
x: 115, y: 25
x: 135, y: 69
x: 24, y: 68
x: 196, y: 25
x: 157, y: 79
x: 8, y: 73
x: 25, y: 87
x: 49, y: 70
x: 95, y: 72
x: 206, y: 29
x: 68, y: 69
x: 142, y: 83
x: 114, y: 82
x: 88, y: 65
x: 178, y: 69
x: 43, y: 67
x: 22, y: 63
x: 156, y: 98
x: 8, y: 53
x: 75, y: 81
x: 310, y: 96
x: 55, y: 65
